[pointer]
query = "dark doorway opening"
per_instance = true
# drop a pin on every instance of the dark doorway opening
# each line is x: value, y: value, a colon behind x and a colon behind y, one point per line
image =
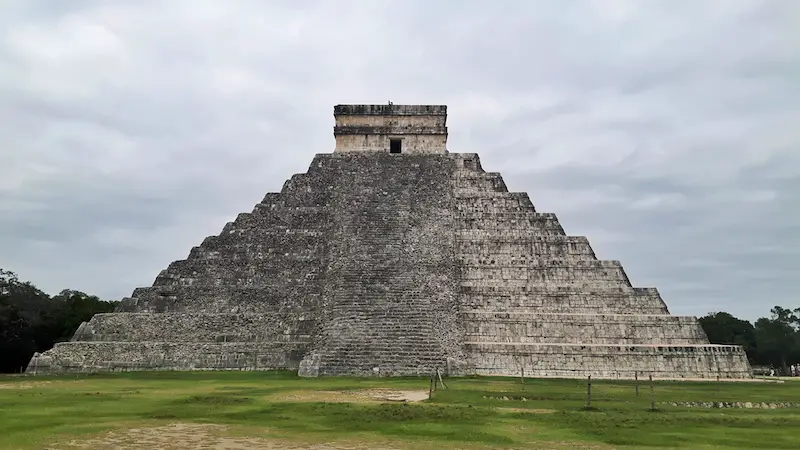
x: 395, y: 145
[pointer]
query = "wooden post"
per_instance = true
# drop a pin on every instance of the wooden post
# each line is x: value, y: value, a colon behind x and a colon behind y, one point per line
x: 589, y: 392
x: 652, y: 398
x: 522, y: 377
x: 636, y: 381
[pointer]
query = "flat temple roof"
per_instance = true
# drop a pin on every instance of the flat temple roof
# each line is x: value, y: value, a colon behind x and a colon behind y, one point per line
x: 390, y: 110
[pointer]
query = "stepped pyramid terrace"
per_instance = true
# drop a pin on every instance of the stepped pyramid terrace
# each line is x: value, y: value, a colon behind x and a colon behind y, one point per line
x: 392, y: 256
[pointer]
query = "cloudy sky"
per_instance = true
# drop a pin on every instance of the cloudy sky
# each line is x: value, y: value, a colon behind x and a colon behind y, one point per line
x: 668, y: 132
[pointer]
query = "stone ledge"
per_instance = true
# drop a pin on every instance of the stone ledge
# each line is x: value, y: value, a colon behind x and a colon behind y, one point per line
x: 342, y: 130
x: 565, y: 347
x: 390, y: 110
x: 132, y: 356
x: 521, y: 317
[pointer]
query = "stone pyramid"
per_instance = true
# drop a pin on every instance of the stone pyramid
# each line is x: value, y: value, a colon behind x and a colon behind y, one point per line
x: 392, y: 256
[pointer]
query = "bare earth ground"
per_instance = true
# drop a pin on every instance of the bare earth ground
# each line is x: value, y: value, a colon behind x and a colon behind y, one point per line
x: 33, y: 384
x: 179, y: 436
x: 359, y: 396
x: 186, y: 436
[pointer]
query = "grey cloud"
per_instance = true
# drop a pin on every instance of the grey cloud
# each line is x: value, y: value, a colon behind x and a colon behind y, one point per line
x: 666, y: 133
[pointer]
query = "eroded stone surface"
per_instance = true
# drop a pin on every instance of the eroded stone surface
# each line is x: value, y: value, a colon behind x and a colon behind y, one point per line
x: 396, y: 264
x: 372, y: 128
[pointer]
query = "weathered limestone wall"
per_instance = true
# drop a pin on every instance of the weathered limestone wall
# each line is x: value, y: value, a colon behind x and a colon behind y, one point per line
x: 386, y: 264
x: 392, y: 277
x: 354, y: 258
x: 108, y: 356
x: 586, y: 328
x: 533, y: 298
x: 180, y: 341
x: 413, y: 143
x: 369, y: 128
x: 254, y: 283
x: 560, y: 299
x: 610, y: 361
x: 196, y: 327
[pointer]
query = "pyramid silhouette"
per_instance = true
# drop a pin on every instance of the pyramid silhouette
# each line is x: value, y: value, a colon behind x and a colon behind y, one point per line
x: 393, y: 256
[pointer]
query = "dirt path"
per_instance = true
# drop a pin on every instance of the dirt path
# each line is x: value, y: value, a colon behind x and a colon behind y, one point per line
x: 187, y: 436
x: 34, y: 384
x: 360, y: 396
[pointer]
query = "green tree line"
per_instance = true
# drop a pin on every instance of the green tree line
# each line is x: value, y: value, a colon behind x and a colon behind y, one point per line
x: 32, y: 321
x: 772, y: 341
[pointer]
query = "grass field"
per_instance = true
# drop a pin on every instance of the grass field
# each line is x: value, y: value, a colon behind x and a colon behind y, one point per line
x: 238, y: 410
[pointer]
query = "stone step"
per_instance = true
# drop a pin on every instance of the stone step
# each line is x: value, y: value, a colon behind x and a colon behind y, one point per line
x: 576, y: 318
x: 557, y: 272
x: 501, y: 249
x: 474, y: 205
x: 243, y: 251
x: 68, y: 357
x: 566, y: 290
x: 477, y: 181
x: 281, y: 239
x: 633, y: 339
x: 242, y: 263
x: 495, y: 221
x: 614, y: 302
x: 279, y: 295
x: 608, y: 360
x: 468, y: 237
x: 583, y: 328
x: 518, y: 287
x: 287, y: 326
x: 492, y: 195
x: 600, y: 306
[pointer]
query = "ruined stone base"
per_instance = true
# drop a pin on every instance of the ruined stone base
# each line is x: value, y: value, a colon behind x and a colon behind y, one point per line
x: 605, y: 361
x: 374, y: 264
x: 88, y: 357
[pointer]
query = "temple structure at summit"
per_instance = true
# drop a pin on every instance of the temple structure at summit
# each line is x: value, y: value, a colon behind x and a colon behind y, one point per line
x: 393, y: 256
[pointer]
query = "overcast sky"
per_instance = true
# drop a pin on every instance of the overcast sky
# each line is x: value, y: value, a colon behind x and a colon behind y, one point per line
x: 667, y: 132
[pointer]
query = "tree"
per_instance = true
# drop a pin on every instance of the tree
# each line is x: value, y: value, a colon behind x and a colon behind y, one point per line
x: 20, y: 306
x: 71, y: 308
x: 723, y: 328
x: 786, y: 316
x: 31, y: 321
x: 777, y: 342
x: 16, y: 338
x: 778, y: 338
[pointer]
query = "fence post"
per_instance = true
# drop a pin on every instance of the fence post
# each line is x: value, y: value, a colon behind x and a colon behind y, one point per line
x: 522, y: 377
x: 636, y: 381
x: 652, y: 397
x: 589, y: 392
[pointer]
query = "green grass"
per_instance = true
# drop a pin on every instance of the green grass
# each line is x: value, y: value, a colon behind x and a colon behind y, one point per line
x: 474, y: 412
